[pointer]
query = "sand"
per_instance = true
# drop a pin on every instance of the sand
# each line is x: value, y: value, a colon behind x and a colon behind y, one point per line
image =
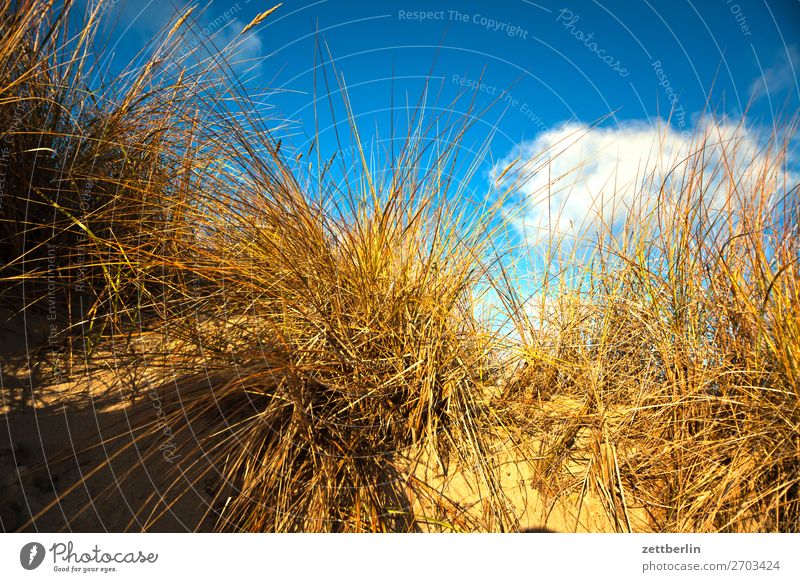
x: 55, y: 472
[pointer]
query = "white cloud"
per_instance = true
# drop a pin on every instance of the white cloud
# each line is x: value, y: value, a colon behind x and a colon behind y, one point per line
x: 572, y: 177
x: 780, y: 76
x: 241, y: 50
x: 207, y: 41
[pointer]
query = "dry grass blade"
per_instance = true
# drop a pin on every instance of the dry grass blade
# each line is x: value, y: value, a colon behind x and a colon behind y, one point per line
x: 260, y: 18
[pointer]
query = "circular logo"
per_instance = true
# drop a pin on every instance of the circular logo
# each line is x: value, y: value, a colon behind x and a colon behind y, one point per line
x: 31, y: 555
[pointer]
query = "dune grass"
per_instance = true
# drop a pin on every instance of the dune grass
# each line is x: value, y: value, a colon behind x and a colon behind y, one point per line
x: 675, y: 334
x: 311, y: 342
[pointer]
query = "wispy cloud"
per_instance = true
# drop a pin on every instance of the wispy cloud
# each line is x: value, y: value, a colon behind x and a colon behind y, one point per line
x: 205, y: 31
x: 243, y: 50
x: 780, y: 76
x: 226, y: 35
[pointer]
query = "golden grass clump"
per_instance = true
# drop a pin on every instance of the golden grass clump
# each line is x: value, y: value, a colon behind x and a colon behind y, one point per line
x: 673, y: 335
x: 82, y: 162
x: 354, y: 346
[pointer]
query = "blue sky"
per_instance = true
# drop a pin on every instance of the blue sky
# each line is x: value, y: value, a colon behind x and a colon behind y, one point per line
x: 543, y: 69
x: 542, y: 62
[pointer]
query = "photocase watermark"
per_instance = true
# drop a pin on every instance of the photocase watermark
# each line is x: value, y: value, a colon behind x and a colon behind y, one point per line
x: 67, y: 559
x: 569, y: 20
x: 53, y: 331
x: 168, y: 447
x: 491, y: 24
x: 678, y: 113
x: 80, y: 257
x: 348, y: 152
x: 20, y: 110
x: 106, y: 6
x: 476, y: 85
x: 741, y: 19
x: 504, y: 96
x: 210, y: 29
x: 31, y: 555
